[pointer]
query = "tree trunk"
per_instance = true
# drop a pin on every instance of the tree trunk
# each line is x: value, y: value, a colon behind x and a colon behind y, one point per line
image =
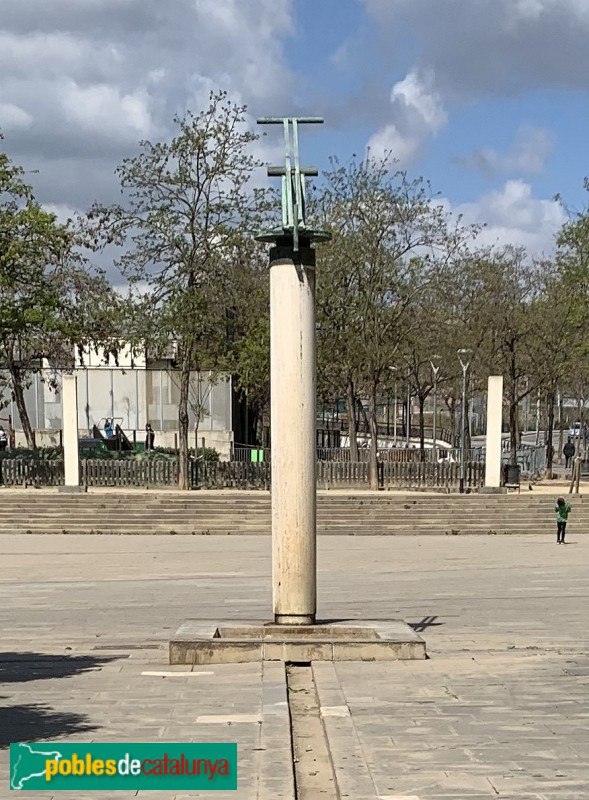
x: 421, y: 400
x: 183, y: 422
x: 362, y: 413
x: 373, y: 422
x: 19, y: 399
x: 549, y: 436
x: 352, y: 428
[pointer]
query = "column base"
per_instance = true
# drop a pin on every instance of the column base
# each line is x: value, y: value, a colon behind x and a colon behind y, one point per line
x: 294, y: 619
x: 238, y: 641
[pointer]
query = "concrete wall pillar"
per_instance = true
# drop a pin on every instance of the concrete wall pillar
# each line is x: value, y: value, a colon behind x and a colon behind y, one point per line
x: 292, y: 352
x: 69, y: 396
x: 494, y: 424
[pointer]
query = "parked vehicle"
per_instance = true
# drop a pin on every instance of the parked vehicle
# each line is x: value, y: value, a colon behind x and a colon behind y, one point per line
x: 576, y: 429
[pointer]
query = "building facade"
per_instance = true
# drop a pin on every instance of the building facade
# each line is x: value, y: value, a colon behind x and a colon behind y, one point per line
x: 133, y: 393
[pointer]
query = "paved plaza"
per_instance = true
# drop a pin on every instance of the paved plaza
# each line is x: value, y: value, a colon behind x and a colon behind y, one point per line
x: 500, y: 710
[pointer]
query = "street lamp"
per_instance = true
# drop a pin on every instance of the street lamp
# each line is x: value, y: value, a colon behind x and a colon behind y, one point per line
x: 462, y: 354
x: 435, y: 370
x: 408, y: 417
x: 394, y: 369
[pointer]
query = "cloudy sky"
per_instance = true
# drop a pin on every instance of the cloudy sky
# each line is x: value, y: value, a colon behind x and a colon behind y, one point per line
x: 486, y: 98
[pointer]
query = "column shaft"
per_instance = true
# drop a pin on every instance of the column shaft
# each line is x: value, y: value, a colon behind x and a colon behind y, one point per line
x: 292, y: 349
x: 69, y: 395
x: 494, y: 424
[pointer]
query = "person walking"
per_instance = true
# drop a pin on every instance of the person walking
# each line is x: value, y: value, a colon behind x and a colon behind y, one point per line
x: 149, y: 437
x: 562, y: 509
x: 568, y: 452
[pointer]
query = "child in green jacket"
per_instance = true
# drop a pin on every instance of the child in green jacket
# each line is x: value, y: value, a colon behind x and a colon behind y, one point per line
x: 563, y: 510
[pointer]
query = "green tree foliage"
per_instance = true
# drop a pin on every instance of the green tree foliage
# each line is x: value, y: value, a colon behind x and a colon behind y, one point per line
x: 185, y: 212
x: 48, y: 299
x: 390, y: 240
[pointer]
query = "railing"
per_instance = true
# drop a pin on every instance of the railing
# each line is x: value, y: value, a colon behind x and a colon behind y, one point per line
x: 235, y: 475
x: 399, y: 475
x: 532, y: 460
x: 229, y: 475
x: 394, y: 454
x: 387, y: 429
x: 403, y: 454
x: 249, y: 453
x: 31, y: 472
x: 127, y: 472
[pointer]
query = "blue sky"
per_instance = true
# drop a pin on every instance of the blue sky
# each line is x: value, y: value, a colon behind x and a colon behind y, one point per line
x: 488, y: 99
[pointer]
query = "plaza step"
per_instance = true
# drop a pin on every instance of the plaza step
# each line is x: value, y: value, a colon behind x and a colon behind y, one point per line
x: 137, y: 512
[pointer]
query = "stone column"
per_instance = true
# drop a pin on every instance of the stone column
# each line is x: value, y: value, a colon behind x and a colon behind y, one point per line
x: 494, y: 423
x: 292, y: 352
x: 69, y: 397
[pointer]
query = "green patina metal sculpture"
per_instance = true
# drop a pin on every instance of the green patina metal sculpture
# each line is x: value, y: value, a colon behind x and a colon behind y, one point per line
x: 293, y: 176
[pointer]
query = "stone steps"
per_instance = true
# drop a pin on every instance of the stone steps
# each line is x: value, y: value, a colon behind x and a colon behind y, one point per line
x: 239, y: 513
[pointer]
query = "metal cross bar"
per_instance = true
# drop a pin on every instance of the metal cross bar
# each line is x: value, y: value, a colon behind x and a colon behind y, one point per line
x: 292, y: 174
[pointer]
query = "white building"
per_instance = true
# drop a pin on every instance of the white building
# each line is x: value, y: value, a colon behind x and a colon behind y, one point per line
x: 133, y: 393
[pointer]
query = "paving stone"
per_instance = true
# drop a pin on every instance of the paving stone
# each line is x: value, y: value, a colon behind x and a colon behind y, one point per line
x: 502, y: 702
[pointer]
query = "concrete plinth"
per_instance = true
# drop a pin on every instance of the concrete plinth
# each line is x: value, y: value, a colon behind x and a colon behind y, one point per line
x: 494, y: 426
x: 71, y: 458
x: 234, y: 641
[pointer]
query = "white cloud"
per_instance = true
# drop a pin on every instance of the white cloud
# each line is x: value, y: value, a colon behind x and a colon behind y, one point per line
x: 418, y: 96
x: 62, y: 212
x: 513, y: 216
x: 389, y: 140
x: 40, y: 52
x: 417, y: 113
x: 14, y: 117
x: 82, y: 81
x: 106, y: 108
x: 528, y: 154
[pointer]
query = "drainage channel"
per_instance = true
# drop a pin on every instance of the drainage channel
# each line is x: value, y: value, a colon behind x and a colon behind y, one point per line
x: 313, y: 768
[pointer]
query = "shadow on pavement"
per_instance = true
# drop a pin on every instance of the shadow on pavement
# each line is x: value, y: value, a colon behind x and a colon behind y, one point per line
x: 34, y: 722
x: 22, y: 667
x: 425, y: 623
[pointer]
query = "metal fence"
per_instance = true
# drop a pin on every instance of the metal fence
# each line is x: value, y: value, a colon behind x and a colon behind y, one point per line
x: 229, y: 475
x: 387, y: 429
x: 402, y: 475
x: 124, y: 472
x: 235, y: 475
x: 31, y: 472
x: 388, y: 454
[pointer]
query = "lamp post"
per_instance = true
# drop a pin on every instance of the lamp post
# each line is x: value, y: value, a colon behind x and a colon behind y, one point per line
x: 394, y: 369
x: 435, y: 370
x: 408, y: 417
x: 464, y: 364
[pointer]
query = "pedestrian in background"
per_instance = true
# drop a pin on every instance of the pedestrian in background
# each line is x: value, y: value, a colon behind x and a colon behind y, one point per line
x: 149, y: 437
x: 568, y: 452
x: 563, y: 509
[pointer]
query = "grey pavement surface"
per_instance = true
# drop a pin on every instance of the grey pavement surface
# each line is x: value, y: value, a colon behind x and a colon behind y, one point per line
x: 501, y: 709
